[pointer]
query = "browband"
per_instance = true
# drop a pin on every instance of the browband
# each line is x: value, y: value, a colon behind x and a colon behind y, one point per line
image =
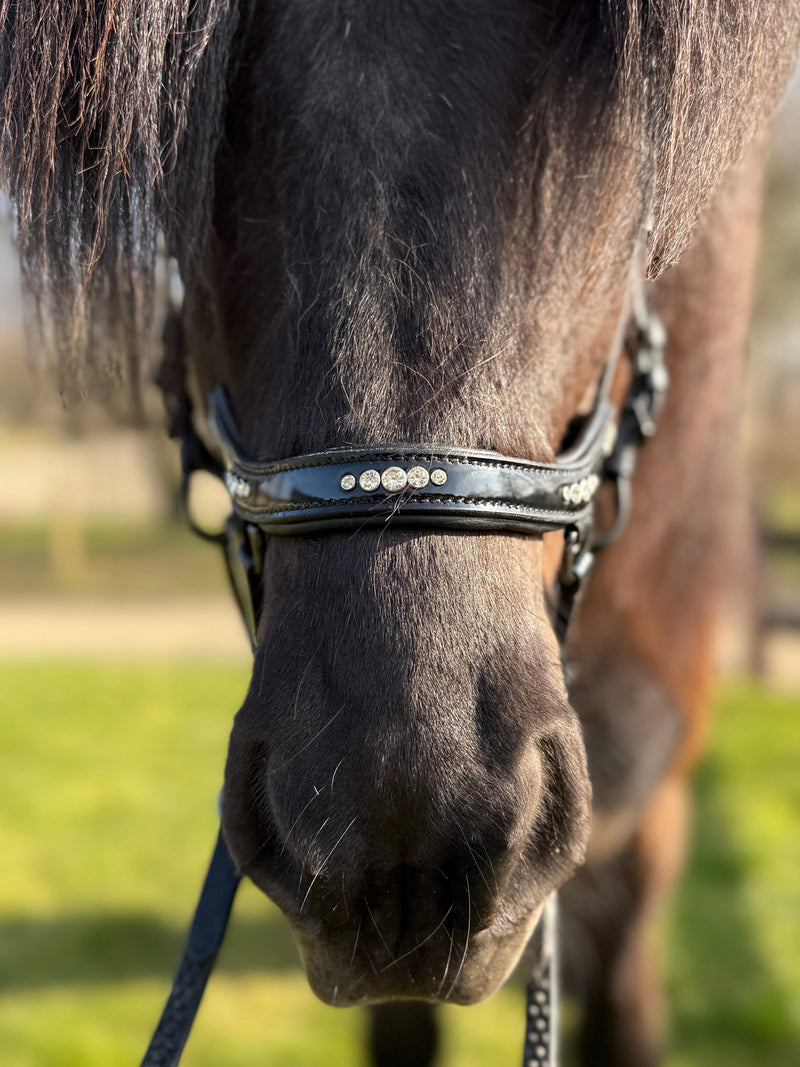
x: 407, y: 485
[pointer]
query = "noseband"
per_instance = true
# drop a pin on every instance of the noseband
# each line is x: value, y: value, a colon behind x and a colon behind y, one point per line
x: 404, y: 485
x: 413, y: 485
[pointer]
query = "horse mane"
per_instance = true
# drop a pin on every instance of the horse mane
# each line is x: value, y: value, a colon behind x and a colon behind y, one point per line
x: 110, y: 120
x: 112, y: 114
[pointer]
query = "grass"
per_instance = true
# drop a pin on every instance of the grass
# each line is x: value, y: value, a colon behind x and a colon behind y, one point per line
x: 108, y: 783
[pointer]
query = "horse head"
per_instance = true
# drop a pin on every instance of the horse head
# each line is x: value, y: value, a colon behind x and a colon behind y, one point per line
x: 406, y: 777
x: 396, y: 223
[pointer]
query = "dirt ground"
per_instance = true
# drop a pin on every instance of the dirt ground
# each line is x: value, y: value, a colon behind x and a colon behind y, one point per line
x: 195, y: 627
x: 191, y: 628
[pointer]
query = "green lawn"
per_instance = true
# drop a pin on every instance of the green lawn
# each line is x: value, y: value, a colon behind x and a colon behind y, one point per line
x: 108, y: 784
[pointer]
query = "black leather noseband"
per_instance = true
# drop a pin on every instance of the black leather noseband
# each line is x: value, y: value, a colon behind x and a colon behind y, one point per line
x: 413, y: 485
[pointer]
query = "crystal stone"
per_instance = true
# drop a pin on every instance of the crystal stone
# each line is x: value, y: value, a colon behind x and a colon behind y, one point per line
x: 347, y: 482
x: 438, y: 476
x: 369, y: 481
x: 418, y: 477
x: 393, y: 479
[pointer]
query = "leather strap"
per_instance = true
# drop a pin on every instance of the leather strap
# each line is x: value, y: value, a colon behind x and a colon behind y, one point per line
x: 421, y: 485
x: 541, y: 1021
x: 200, y: 952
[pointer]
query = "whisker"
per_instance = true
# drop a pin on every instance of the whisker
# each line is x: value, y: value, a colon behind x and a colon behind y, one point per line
x: 311, y: 741
x: 466, y: 941
x: 307, y: 857
x: 322, y: 865
x: 438, y: 926
x: 316, y: 795
x: 335, y: 769
x: 447, y: 964
x: 355, y: 943
x: 378, y: 929
x: 344, y: 897
x: 474, y: 858
x: 320, y: 828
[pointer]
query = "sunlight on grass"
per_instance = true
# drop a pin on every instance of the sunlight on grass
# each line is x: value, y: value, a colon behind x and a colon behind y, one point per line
x: 108, y: 784
x: 734, y: 947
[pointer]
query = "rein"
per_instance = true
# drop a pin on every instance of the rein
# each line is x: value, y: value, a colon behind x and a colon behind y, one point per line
x: 411, y: 485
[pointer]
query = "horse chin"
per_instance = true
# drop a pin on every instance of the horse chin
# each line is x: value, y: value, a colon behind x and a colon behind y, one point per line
x: 342, y: 975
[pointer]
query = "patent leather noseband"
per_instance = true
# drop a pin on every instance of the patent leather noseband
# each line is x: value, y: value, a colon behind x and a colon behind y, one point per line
x: 413, y: 485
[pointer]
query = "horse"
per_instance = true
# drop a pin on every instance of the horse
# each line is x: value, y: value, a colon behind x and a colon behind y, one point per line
x: 431, y: 222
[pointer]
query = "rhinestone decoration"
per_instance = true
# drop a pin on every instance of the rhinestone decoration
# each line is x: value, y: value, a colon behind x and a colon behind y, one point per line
x: 369, y: 481
x: 237, y: 487
x: 580, y: 492
x: 438, y: 476
x: 418, y: 478
x: 660, y: 376
x: 394, y: 479
x: 348, y: 482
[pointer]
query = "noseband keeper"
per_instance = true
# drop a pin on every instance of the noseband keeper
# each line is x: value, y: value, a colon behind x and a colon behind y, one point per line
x: 413, y: 485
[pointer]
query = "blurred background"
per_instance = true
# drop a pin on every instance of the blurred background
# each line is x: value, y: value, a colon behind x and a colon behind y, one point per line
x: 122, y: 662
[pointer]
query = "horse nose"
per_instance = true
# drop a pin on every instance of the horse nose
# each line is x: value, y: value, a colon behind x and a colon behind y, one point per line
x: 422, y: 804
x: 392, y: 782
x: 406, y: 885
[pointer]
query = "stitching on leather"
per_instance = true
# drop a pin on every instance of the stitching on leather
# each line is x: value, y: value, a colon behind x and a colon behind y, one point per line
x: 343, y: 459
x: 426, y: 498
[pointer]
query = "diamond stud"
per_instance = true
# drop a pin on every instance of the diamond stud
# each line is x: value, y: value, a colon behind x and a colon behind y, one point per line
x: 347, y: 482
x: 418, y: 478
x: 237, y: 487
x: 580, y: 492
x: 393, y: 479
x: 369, y: 480
x: 438, y: 476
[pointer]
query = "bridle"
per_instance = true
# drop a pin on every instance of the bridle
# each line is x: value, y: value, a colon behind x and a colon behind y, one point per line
x: 405, y: 485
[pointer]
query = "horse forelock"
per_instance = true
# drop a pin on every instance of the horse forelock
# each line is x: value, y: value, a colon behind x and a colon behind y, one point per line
x: 113, y: 115
x: 110, y: 118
